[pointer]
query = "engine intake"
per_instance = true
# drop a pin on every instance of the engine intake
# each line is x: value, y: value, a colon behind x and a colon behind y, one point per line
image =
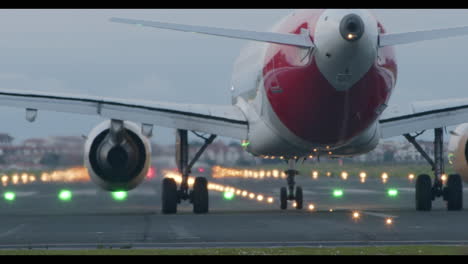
x: 117, y: 155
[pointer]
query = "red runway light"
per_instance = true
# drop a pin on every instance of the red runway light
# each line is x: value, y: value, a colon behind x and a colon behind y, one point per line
x: 151, y: 173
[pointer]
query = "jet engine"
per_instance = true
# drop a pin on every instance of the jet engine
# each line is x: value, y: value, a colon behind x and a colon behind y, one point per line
x: 117, y: 155
x: 458, y: 150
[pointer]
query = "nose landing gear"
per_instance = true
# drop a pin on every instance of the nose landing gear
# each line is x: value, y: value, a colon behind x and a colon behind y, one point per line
x: 288, y: 194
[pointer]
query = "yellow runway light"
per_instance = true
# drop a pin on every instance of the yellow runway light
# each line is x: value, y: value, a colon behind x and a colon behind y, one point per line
x: 444, y: 178
x: 15, y: 179
x: 315, y: 175
x: 389, y: 221
x: 228, y: 191
x: 24, y: 178
x: 344, y: 175
x: 356, y: 215
x: 384, y: 175
x: 363, y: 175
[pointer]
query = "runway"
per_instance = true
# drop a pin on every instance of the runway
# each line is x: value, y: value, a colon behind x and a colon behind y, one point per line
x: 92, y: 219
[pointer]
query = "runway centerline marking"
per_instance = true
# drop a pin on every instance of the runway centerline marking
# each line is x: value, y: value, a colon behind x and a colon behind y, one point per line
x: 182, y: 233
x: 25, y: 194
x: 13, y: 230
x: 379, y: 215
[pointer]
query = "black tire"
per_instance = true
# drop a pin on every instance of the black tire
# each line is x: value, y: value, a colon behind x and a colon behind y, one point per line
x: 454, y: 193
x: 423, y: 193
x: 299, y: 200
x: 283, y: 198
x: 169, y: 196
x: 200, y: 197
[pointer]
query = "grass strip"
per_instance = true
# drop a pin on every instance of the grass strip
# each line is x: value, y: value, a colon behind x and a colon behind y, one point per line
x: 372, y: 250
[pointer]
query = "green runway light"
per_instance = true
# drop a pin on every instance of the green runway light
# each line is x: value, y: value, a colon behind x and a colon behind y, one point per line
x: 228, y: 195
x: 9, y: 196
x: 392, y: 192
x: 65, y: 195
x: 119, y: 196
x: 337, y: 193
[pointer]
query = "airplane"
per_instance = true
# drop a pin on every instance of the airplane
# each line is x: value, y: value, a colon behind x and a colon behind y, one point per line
x: 318, y: 84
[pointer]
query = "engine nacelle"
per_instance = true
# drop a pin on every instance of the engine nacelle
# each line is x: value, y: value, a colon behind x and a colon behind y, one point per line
x: 117, y: 155
x: 458, y: 150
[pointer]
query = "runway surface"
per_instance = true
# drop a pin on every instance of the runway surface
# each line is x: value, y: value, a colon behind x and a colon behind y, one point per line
x: 92, y: 219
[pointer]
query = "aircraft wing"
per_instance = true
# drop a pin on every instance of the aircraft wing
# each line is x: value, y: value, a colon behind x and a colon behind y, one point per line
x: 221, y: 120
x: 424, y: 115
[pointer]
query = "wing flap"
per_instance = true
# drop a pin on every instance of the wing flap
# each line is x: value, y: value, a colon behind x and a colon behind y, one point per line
x: 426, y: 115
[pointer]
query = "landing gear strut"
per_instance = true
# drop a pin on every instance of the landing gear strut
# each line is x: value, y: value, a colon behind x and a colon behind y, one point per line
x: 452, y: 193
x: 288, y: 194
x: 199, y: 195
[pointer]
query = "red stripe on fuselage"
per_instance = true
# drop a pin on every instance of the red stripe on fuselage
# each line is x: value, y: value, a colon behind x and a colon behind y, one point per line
x: 308, y: 105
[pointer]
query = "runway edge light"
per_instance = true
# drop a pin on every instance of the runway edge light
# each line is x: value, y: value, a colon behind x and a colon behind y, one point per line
x: 65, y: 195
x: 392, y: 192
x: 228, y: 195
x: 9, y: 196
x: 337, y: 193
x: 119, y: 195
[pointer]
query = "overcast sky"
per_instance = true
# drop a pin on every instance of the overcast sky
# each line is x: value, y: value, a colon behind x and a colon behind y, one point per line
x: 79, y: 51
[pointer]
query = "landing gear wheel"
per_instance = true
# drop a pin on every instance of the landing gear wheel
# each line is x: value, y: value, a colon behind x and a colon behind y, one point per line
x: 299, y: 201
x: 169, y: 196
x: 200, y: 196
x: 423, y: 193
x: 454, y: 193
x: 283, y: 198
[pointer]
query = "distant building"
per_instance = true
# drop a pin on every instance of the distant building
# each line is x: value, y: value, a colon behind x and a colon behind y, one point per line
x: 5, y: 139
x: 66, y: 151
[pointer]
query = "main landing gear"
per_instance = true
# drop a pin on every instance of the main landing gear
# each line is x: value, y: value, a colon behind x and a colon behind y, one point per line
x: 426, y: 192
x: 288, y: 194
x: 198, y: 196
